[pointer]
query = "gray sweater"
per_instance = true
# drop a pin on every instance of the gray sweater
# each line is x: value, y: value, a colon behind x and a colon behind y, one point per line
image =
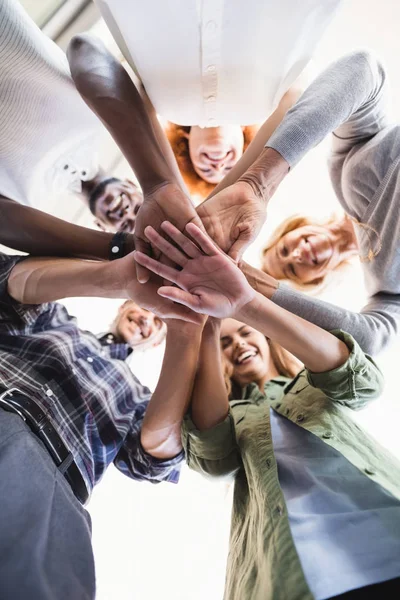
x: 349, y: 99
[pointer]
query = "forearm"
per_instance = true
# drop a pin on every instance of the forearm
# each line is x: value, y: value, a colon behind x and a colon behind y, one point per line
x: 260, y: 281
x: 373, y: 328
x: 163, y: 142
x: 316, y: 348
x: 108, y: 90
x: 210, y: 404
x: 35, y: 232
x: 161, y: 430
x: 38, y: 280
x: 342, y: 91
x: 257, y: 145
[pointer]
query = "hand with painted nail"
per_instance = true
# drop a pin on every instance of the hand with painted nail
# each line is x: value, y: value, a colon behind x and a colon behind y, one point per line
x: 207, y: 280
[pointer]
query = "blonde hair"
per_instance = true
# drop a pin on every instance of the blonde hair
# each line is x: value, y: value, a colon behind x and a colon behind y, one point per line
x: 285, y: 363
x: 178, y: 138
x: 294, y: 222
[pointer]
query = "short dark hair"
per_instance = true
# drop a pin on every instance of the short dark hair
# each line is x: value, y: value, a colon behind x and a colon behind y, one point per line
x: 98, y: 190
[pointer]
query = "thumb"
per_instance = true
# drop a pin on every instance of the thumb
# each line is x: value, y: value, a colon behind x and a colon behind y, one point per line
x: 142, y: 274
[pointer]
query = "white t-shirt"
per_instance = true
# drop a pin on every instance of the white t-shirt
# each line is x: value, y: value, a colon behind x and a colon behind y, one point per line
x: 48, y: 136
x: 216, y: 62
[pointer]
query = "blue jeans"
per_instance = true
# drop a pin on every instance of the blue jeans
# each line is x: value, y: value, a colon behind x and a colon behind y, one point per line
x: 45, y: 533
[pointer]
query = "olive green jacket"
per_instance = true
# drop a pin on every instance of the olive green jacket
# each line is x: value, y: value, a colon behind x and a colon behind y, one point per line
x: 263, y: 563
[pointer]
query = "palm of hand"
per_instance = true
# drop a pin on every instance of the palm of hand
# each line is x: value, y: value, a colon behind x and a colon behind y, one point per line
x: 217, y: 284
x: 233, y: 218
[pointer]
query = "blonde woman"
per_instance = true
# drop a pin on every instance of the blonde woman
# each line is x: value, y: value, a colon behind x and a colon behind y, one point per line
x: 316, y: 511
x: 303, y: 239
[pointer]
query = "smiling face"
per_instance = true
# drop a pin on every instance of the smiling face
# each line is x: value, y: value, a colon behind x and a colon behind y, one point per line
x: 135, y: 325
x: 246, y: 350
x: 305, y: 255
x: 117, y: 206
x: 215, y: 150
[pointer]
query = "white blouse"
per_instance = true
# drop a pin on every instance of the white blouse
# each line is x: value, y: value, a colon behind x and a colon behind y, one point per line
x: 216, y: 62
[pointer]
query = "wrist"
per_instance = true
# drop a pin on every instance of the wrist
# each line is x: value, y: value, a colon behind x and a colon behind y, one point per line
x: 248, y: 310
x: 261, y: 282
x: 266, y: 173
x: 183, y: 331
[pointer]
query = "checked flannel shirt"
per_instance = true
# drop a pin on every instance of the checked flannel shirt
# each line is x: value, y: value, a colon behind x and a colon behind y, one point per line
x: 85, y: 388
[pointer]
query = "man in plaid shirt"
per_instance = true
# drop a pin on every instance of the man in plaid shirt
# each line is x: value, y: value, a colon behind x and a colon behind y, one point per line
x: 69, y: 406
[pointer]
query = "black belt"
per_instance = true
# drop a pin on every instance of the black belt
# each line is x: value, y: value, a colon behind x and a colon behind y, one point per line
x: 15, y: 401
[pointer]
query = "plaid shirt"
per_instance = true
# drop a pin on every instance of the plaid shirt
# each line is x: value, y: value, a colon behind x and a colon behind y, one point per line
x: 85, y: 388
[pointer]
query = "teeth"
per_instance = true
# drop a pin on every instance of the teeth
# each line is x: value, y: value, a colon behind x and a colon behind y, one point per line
x: 115, y: 204
x: 244, y: 355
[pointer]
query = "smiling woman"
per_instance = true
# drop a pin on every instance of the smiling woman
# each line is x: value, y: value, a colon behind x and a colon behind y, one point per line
x: 305, y: 251
x: 249, y: 356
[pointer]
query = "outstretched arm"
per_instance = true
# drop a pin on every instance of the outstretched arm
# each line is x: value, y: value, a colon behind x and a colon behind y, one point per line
x: 348, y: 98
x: 38, y: 280
x: 210, y: 404
x: 373, y: 327
x: 161, y: 429
x: 109, y: 91
x: 35, y: 232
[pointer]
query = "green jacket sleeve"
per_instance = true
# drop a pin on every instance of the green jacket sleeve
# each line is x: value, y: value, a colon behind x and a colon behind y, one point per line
x: 213, y: 451
x: 353, y: 384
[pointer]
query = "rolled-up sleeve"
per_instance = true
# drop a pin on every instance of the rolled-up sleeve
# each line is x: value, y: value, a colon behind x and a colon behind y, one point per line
x: 354, y: 383
x: 213, y: 452
x: 7, y: 263
x: 133, y: 461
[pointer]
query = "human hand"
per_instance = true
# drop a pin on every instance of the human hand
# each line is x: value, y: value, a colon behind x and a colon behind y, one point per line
x: 122, y: 277
x: 208, y: 280
x: 167, y: 202
x: 233, y: 217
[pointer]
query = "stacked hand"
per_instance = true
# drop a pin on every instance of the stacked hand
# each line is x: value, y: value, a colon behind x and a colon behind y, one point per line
x: 233, y: 217
x: 165, y: 202
x: 207, y: 280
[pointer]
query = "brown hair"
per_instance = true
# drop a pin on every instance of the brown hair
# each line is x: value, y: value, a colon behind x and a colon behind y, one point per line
x: 178, y: 138
x: 292, y: 223
x: 286, y: 364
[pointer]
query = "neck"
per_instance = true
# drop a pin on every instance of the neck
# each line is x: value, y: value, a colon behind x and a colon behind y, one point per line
x: 88, y: 186
x: 271, y: 373
x: 344, y: 237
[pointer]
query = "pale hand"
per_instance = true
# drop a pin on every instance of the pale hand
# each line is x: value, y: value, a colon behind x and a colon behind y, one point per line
x: 233, y: 217
x: 166, y: 203
x: 208, y: 281
x: 146, y: 296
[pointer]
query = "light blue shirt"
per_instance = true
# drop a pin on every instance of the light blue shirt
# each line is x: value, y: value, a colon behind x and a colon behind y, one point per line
x: 346, y: 527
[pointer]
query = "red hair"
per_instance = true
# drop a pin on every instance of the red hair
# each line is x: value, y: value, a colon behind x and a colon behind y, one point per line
x: 178, y: 138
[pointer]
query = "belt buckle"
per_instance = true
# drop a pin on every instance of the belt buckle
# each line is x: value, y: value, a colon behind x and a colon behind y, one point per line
x: 9, y: 405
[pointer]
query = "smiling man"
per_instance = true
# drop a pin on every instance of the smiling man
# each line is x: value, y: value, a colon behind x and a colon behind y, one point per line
x: 115, y: 204
x: 49, y: 139
x: 137, y: 327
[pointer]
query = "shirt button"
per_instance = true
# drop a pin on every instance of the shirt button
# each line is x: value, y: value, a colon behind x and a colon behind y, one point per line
x: 210, y: 99
x: 66, y: 167
x: 300, y: 418
x: 211, y: 26
x: 268, y: 463
x: 327, y: 435
x: 211, y: 68
x: 278, y: 405
x: 49, y: 393
x: 89, y: 359
x: 115, y: 249
x: 279, y: 510
x: 369, y: 471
